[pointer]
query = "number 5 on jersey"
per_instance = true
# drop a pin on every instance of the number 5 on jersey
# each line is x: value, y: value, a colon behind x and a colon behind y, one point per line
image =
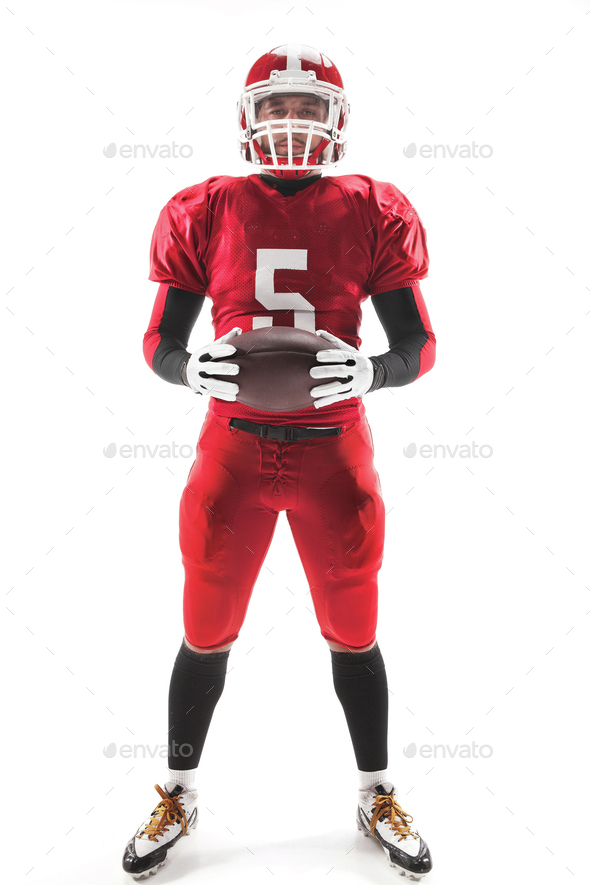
x: 267, y: 261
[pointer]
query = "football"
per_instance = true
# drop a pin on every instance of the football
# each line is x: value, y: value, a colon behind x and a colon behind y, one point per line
x: 274, y: 367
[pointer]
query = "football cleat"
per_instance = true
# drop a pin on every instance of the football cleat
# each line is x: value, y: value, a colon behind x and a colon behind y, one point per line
x: 379, y: 814
x: 173, y: 818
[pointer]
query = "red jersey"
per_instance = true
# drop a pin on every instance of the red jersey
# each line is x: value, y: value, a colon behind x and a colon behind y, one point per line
x: 307, y: 260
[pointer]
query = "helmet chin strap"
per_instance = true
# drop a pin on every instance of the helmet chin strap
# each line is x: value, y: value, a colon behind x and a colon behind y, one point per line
x: 289, y: 174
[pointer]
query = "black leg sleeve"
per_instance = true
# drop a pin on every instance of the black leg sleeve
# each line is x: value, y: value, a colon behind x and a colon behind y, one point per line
x: 195, y: 687
x: 361, y: 686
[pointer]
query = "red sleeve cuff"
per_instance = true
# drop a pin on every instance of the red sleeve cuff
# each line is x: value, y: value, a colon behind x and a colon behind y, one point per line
x: 389, y: 288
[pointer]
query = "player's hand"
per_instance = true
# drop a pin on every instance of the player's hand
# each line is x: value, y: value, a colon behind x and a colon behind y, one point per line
x: 197, y: 369
x: 351, y: 364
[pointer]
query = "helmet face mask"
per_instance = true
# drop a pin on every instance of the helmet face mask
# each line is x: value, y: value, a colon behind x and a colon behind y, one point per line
x: 299, y: 119
x: 290, y: 121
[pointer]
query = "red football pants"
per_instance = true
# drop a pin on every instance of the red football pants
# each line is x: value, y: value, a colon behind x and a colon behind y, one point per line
x: 229, y: 508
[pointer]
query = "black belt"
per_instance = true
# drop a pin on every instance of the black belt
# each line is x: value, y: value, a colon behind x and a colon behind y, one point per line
x: 273, y: 431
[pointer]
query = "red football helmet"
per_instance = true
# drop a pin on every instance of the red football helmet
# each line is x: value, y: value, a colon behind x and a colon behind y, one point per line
x: 293, y: 70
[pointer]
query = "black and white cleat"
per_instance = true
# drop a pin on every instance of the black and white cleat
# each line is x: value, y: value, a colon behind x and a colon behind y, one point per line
x: 379, y: 814
x: 172, y: 819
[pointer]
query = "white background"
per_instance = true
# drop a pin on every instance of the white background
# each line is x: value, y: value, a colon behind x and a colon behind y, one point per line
x: 484, y: 590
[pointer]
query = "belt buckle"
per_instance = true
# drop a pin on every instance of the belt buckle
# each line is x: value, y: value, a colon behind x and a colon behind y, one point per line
x: 276, y: 432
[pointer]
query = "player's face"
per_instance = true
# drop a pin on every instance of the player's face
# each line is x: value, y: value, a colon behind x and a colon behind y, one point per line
x: 294, y: 107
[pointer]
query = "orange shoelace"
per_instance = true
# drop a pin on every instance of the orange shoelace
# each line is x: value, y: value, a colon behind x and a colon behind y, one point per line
x: 168, y: 812
x: 388, y: 805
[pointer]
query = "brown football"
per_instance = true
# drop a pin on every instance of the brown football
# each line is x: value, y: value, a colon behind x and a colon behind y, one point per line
x: 274, y: 367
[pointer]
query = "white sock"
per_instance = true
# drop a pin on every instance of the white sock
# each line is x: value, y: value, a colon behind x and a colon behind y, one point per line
x: 369, y: 779
x: 184, y: 778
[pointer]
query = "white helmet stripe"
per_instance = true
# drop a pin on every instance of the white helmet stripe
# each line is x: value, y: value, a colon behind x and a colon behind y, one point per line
x: 293, y: 56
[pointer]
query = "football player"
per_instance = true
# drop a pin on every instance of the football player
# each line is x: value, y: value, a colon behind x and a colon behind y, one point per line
x: 287, y: 246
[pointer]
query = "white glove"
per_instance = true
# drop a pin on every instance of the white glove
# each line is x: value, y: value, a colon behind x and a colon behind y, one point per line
x: 197, y: 368
x: 350, y: 362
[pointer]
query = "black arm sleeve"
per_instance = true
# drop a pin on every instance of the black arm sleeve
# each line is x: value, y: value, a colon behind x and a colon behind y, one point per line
x: 173, y: 330
x: 411, y: 341
x: 407, y: 328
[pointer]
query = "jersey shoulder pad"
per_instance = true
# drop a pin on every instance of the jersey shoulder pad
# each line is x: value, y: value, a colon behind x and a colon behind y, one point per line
x: 378, y: 196
x: 190, y: 198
